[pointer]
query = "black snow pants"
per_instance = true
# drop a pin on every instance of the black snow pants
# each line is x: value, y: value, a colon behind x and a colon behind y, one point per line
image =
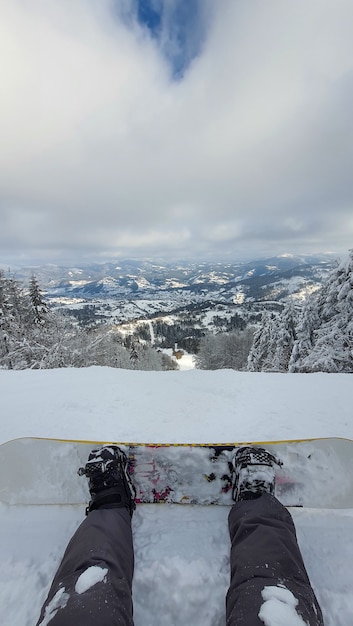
x: 93, y: 583
x: 266, y: 563
x: 92, y: 586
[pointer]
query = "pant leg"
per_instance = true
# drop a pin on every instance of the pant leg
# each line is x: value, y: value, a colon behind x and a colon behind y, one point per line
x: 93, y: 583
x: 265, y: 553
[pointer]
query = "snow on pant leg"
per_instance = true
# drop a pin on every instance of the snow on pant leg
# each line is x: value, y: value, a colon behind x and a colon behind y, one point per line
x: 93, y: 583
x: 265, y: 553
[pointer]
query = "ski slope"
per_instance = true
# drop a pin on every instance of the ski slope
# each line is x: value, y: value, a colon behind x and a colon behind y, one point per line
x: 182, y: 568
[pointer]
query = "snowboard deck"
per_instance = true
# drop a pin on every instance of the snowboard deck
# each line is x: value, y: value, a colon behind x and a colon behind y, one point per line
x: 316, y: 473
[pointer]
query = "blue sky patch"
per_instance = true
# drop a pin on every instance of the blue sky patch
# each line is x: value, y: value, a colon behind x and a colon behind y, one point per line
x: 179, y: 28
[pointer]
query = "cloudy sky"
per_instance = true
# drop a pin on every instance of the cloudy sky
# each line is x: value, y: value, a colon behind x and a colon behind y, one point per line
x: 175, y: 128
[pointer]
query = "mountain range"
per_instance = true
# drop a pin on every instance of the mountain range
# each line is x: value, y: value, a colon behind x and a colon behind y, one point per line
x: 261, y: 280
x: 202, y: 296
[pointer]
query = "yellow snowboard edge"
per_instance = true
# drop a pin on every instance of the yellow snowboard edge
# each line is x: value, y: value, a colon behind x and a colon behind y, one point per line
x: 177, y: 445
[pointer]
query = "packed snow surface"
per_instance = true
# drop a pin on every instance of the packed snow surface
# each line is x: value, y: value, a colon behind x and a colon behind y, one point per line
x: 182, y: 552
x: 119, y: 405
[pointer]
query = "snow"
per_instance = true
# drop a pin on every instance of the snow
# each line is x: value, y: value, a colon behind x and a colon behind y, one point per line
x: 58, y: 602
x: 187, y: 406
x: 181, y: 552
x: 91, y: 576
x: 279, y: 607
x: 185, y: 362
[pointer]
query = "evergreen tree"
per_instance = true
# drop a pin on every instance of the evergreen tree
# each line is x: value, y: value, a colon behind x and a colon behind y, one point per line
x: 284, y: 339
x: 4, y: 322
x: 332, y: 349
x: 263, y: 346
x: 273, y: 342
x: 303, y: 344
x: 133, y: 356
x: 14, y: 345
x: 39, y: 306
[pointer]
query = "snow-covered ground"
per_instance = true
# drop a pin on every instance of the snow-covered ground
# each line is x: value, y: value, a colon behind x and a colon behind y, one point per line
x: 182, y: 568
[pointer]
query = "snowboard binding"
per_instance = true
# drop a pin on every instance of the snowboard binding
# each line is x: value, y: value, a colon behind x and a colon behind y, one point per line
x: 109, y: 481
x: 253, y: 473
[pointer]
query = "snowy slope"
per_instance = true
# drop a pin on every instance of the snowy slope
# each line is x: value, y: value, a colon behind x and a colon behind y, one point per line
x: 107, y: 403
x: 182, y: 568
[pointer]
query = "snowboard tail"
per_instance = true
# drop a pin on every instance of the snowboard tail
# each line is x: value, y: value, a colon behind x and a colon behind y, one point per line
x: 316, y: 473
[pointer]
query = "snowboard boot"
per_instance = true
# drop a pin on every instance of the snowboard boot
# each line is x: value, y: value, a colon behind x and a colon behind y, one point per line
x: 254, y: 473
x: 109, y: 481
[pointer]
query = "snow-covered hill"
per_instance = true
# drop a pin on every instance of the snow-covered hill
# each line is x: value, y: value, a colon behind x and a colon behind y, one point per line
x: 182, y: 569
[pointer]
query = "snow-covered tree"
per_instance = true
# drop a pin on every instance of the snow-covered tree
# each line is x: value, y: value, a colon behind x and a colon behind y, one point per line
x: 39, y: 307
x: 319, y: 340
x: 150, y: 359
x: 13, y: 319
x: 4, y: 321
x: 283, y: 339
x: 27, y: 338
x: 225, y: 350
x: 264, y: 344
x: 307, y: 323
x: 332, y: 349
x: 32, y: 336
x: 209, y: 356
x: 133, y: 355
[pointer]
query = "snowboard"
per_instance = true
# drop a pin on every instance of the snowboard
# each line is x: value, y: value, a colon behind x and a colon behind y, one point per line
x: 315, y: 473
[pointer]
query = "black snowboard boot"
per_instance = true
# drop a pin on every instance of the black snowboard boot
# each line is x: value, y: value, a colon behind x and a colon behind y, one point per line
x: 254, y: 473
x: 109, y: 481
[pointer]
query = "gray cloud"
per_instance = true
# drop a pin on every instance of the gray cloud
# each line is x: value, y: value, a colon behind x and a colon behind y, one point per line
x: 102, y: 153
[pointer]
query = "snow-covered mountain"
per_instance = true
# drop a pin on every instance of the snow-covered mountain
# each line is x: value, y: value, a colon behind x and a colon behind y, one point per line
x: 258, y: 279
x: 143, y: 289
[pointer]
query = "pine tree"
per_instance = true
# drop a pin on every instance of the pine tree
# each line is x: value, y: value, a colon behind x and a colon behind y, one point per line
x: 264, y: 345
x: 284, y: 340
x: 333, y: 339
x: 30, y: 337
x: 4, y: 322
x: 134, y: 357
x: 322, y: 339
x: 306, y: 326
x: 14, y: 348
x: 40, y: 308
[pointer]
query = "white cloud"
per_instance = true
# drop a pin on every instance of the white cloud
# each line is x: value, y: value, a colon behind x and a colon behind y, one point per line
x: 100, y: 149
